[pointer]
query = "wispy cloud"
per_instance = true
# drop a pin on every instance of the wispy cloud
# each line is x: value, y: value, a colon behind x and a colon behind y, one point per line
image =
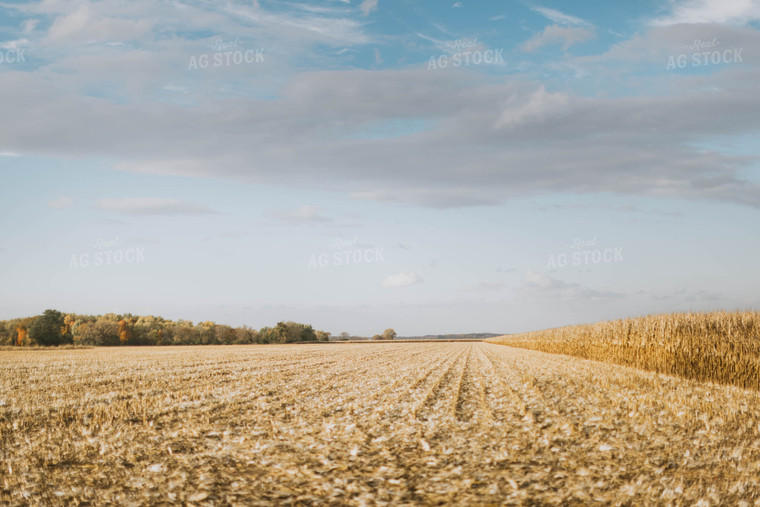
x: 147, y: 206
x: 368, y: 6
x: 736, y: 12
x: 15, y: 44
x: 536, y: 108
x: 485, y: 286
x: 555, y: 34
x: 402, y: 280
x: 541, y: 286
x: 61, y: 202
x: 85, y: 25
x: 560, y: 18
x: 299, y: 216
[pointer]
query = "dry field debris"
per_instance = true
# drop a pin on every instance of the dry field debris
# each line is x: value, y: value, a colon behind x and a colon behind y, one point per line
x: 721, y: 347
x: 359, y: 424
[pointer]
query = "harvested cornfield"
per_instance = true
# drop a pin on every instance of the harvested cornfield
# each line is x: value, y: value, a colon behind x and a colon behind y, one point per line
x: 717, y: 347
x: 361, y: 424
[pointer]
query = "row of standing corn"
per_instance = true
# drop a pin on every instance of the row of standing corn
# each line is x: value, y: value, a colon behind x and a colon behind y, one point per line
x: 720, y: 347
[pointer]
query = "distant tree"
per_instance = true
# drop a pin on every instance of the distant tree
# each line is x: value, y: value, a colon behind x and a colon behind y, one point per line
x: 82, y: 332
x: 245, y: 334
x: 184, y: 334
x: 280, y: 333
x: 166, y: 335
x: 48, y: 328
x: 22, y: 332
x: 147, y: 330
x: 9, y: 330
x: 225, y: 335
x: 53, y: 328
x: 263, y: 335
x: 377, y: 337
x: 306, y: 333
x: 69, y: 320
x: 289, y: 332
x: 105, y: 332
x: 126, y: 332
x: 389, y: 334
x: 345, y: 335
x: 206, y: 332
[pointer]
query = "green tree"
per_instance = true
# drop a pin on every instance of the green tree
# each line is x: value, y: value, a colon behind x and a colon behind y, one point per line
x: 184, y: 333
x: 225, y: 335
x: 306, y: 333
x: 105, y: 332
x: 267, y: 335
x: 49, y: 328
x: 147, y: 330
x: 6, y: 333
x: 389, y: 334
x: 245, y: 334
x: 82, y: 332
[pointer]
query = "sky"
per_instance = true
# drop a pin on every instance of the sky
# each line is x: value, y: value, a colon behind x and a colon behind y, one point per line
x: 427, y: 166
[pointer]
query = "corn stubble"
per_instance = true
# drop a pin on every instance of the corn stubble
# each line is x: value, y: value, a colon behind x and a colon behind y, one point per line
x: 366, y: 424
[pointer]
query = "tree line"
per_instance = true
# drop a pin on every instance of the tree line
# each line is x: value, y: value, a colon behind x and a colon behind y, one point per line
x: 56, y: 328
x: 388, y: 334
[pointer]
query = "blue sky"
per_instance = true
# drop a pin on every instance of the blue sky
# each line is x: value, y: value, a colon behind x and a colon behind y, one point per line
x: 360, y: 165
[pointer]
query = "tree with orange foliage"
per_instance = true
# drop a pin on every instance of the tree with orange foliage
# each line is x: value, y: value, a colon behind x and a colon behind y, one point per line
x: 21, y: 335
x: 125, y: 332
x: 68, y: 324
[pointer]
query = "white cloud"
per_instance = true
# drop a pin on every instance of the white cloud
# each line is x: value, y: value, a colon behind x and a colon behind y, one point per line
x: 401, y: 280
x: 486, y: 286
x: 560, y: 18
x: 543, y: 142
x: 61, y: 202
x: 30, y: 25
x: 555, y: 34
x: 15, y: 44
x: 368, y: 6
x: 541, y: 286
x: 736, y: 12
x: 150, y: 206
x: 538, y: 106
x: 300, y: 215
x: 9, y: 154
x: 86, y: 25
